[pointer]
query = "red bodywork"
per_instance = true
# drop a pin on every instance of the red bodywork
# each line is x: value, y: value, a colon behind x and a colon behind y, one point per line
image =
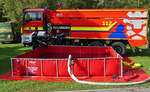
x: 52, y: 61
x: 88, y: 63
x: 102, y: 24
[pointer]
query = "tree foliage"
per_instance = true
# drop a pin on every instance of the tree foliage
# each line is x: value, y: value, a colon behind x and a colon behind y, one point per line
x: 12, y: 9
x: 79, y: 4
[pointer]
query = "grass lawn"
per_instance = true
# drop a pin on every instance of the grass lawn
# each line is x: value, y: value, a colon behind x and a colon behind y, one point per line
x: 10, y: 50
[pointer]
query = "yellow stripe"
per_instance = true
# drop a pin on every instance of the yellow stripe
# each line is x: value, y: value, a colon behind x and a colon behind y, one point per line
x: 33, y: 28
x: 137, y: 39
x: 26, y: 28
x: 21, y: 30
x: 93, y: 28
x: 40, y: 28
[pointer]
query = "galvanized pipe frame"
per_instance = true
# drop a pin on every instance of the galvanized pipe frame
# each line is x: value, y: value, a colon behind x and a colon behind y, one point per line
x: 88, y: 67
x: 57, y: 72
x: 121, y: 74
x: 67, y: 58
x: 57, y: 68
x: 12, y: 73
x: 41, y: 67
x: 27, y: 67
x: 104, y: 67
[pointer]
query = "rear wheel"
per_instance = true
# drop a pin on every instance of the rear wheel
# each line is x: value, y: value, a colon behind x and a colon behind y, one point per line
x: 24, y: 44
x: 119, y: 47
x: 3, y: 42
x: 96, y: 43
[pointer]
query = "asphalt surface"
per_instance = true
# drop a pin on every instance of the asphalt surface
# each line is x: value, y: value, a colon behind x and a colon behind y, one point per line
x: 134, y: 89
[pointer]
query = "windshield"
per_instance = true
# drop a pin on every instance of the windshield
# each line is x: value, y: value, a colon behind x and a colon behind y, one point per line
x: 32, y: 16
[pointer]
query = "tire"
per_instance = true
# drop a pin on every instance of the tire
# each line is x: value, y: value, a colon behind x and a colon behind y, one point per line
x: 96, y: 43
x: 3, y: 42
x: 24, y: 44
x: 119, y: 47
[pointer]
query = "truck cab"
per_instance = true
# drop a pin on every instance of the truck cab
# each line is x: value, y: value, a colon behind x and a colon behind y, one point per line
x: 33, y: 20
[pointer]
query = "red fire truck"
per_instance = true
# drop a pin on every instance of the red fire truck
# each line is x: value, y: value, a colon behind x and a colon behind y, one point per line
x: 89, y: 27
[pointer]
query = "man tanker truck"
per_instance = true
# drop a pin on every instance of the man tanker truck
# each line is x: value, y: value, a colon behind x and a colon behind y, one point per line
x: 89, y: 27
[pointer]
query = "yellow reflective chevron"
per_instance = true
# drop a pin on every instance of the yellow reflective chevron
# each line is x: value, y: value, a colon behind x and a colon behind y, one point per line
x: 21, y: 30
x: 26, y: 28
x: 40, y: 28
x: 33, y: 28
x: 93, y: 28
x: 132, y: 65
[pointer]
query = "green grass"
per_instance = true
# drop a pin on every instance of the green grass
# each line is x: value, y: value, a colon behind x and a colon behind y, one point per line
x: 141, y: 57
x: 6, y: 52
x: 10, y: 50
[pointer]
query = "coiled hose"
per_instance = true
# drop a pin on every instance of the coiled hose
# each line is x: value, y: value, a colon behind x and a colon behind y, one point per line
x: 99, y: 83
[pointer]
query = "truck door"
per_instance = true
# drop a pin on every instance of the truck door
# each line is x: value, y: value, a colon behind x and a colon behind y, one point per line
x: 32, y: 20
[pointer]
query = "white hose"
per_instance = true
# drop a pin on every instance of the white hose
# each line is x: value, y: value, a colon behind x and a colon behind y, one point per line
x: 99, y: 83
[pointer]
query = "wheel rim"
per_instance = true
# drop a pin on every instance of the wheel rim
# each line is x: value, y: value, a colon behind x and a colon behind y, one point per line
x: 118, y: 49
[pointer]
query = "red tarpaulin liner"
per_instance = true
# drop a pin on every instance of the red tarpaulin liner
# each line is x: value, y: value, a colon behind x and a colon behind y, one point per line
x: 50, y: 64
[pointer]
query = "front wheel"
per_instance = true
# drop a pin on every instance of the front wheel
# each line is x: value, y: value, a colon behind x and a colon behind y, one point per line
x: 119, y: 47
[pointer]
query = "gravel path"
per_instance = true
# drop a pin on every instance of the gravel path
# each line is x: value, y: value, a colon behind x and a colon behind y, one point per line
x: 134, y: 89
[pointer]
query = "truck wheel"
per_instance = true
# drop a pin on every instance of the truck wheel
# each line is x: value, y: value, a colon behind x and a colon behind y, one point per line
x: 119, y: 47
x: 3, y: 42
x: 24, y: 44
x: 96, y: 43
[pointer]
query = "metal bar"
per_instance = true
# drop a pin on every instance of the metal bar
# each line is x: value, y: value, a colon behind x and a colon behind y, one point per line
x: 26, y: 67
x: 104, y: 67
x: 41, y: 67
x: 42, y: 59
x: 72, y: 68
x: 88, y: 67
x: 12, y: 73
x: 121, y: 68
x: 66, y: 58
x: 99, y: 58
x: 57, y: 67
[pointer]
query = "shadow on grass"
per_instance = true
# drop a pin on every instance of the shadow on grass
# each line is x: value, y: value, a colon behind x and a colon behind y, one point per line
x: 145, y: 52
